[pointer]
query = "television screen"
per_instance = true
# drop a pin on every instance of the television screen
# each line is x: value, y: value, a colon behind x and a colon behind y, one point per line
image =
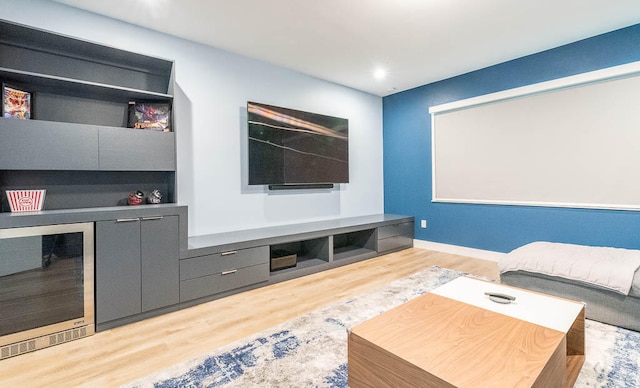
x: 291, y: 147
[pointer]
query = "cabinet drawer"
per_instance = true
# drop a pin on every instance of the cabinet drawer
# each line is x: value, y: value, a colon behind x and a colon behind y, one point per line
x: 224, y: 281
x: 395, y: 242
x: 395, y: 230
x: 225, y: 261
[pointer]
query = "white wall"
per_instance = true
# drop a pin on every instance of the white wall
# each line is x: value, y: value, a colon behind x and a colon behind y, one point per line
x: 212, y: 88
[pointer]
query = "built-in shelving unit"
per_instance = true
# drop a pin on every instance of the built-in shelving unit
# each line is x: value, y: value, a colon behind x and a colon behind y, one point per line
x: 80, y: 106
x: 77, y: 146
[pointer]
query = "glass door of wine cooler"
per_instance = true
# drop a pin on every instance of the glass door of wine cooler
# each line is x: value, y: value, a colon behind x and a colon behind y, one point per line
x: 46, y: 284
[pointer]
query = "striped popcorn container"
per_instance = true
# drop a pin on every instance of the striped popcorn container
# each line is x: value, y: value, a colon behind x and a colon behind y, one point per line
x: 25, y: 200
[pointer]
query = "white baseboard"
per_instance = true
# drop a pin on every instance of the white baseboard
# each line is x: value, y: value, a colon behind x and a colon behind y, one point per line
x: 458, y: 250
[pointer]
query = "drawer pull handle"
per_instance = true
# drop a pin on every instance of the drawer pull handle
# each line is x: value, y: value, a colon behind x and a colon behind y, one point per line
x: 152, y: 218
x: 229, y: 272
x: 126, y: 219
x: 228, y: 253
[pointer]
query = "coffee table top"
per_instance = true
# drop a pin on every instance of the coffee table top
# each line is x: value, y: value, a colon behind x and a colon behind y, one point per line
x: 543, y: 310
x: 459, y: 336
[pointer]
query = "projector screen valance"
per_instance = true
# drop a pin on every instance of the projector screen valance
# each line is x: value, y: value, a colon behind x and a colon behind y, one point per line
x: 572, y: 142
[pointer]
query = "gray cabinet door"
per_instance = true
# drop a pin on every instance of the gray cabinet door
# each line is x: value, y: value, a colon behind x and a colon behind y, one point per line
x: 118, y: 272
x: 160, y: 262
x: 47, y: 145
x: 123, y: 149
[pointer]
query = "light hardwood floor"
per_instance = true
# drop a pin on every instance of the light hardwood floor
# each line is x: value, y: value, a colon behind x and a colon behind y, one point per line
x: 121, y: 355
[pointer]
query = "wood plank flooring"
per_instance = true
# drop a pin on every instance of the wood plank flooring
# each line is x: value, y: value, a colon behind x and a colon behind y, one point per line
x: 121, y: 355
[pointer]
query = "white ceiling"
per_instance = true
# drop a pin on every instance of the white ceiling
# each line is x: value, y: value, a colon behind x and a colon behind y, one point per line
x: 344, y: 41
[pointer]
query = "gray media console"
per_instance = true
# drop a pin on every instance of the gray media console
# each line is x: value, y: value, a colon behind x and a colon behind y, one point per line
x: 221, y: 264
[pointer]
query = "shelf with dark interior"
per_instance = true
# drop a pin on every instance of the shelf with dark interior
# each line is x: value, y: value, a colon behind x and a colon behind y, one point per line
x: 309, y: 253
x: 359, y: 244
x: 80, y: 113
x: 66, y: 100
x: 87, y: 189
x: 33, y: 51
x: 80, y: 82
x: 45, y: 82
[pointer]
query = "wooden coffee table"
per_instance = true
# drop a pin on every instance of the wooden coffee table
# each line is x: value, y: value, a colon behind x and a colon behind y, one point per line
x: 454, y: 336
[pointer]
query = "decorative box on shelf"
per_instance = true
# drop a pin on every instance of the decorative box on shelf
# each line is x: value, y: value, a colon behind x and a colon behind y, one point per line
x: 281, y: 259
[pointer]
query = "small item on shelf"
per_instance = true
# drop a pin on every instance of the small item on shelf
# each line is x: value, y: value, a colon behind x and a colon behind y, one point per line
x: 26, y: 200
x: 281, y: 259
x: 154, y: 197
x: 16, y: 103
x: 136, y: 198
x: 150, y: 115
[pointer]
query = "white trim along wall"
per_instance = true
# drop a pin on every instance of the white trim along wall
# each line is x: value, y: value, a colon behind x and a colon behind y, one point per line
x: 458, y: 250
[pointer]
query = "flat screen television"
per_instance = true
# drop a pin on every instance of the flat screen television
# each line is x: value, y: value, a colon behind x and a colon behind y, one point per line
x: 292, y: 148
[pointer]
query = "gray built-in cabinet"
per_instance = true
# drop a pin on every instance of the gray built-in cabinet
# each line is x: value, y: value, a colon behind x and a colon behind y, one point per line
x: 137, y: 256
x: 78, y: 136
x: 137, y: 267
x: 77, y: 146
x: 216, y: 273
x: 396, y: 235
x: 44, y: 145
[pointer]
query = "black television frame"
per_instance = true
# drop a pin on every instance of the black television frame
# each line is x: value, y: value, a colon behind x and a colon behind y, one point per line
x: 294, y: 149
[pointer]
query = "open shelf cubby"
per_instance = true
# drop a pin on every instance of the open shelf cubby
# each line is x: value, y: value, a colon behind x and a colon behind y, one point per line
x: 309, y: 252
x: 354, y: 244
x: 87, y: 189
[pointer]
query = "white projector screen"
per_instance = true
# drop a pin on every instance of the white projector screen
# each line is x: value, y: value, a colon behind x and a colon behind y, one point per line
x: 573, y: 142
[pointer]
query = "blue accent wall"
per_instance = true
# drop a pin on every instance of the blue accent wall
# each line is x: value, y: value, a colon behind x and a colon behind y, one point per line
x: 407, y: 156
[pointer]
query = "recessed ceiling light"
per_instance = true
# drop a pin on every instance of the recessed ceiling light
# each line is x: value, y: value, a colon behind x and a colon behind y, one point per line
x: 391, y: 89
x: 379, y: 73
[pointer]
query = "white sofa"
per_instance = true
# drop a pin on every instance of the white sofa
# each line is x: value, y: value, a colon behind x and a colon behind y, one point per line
x: 606, y: 279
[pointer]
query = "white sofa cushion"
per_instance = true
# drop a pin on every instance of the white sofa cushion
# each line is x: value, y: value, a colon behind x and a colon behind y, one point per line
x: 610, y: 268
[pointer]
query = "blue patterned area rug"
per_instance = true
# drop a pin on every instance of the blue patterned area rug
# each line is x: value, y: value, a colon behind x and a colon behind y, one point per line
x: 311, y: 350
